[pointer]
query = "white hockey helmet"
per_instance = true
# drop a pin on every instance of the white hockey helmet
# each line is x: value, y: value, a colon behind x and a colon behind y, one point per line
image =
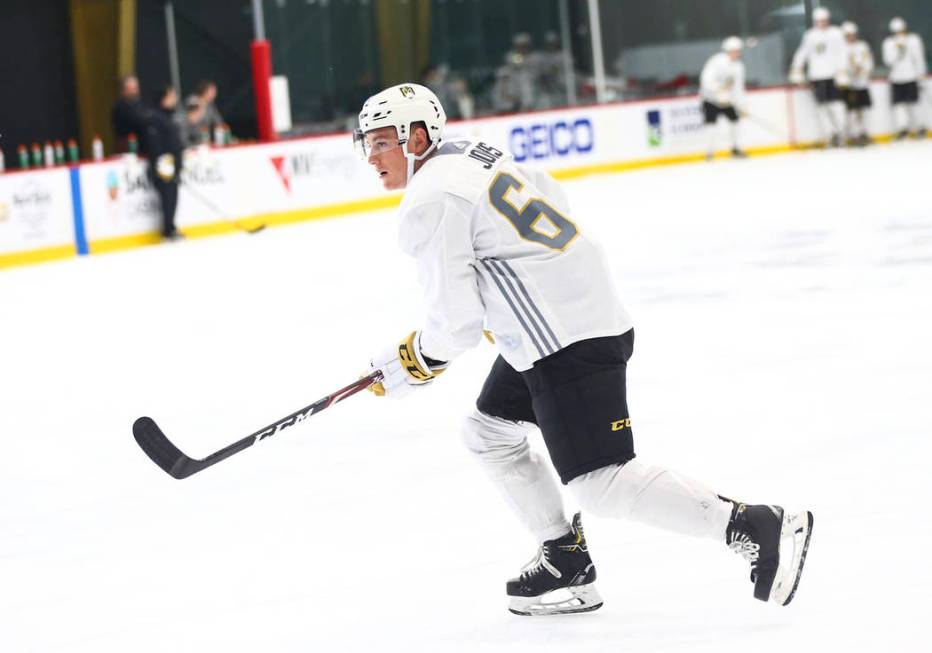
x: 897, y: 25
x: 399, y: 107
x: 848, y: 28
x: 821, y: 13
x: 732, y: 44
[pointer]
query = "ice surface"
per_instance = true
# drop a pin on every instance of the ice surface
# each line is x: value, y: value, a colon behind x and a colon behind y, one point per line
x: 783, y: 309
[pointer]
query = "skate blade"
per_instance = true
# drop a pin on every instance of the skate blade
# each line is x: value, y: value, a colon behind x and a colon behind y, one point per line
x: 794, y: 536
x: 567, y: 600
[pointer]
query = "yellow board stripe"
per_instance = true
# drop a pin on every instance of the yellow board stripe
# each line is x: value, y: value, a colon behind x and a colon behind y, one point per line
x: 269, y: 219
x: 123, y: 242
x: 294, y: 215
x: 635, y: 164
x: 37, y: 256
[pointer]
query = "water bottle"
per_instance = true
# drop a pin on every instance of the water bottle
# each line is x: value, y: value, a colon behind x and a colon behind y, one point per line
x: 97, y: 148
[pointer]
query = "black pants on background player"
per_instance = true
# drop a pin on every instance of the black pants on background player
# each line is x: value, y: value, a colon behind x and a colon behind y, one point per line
x: 162, y: 144
x: 710, y: 115
x: 905, y: 96
x: 168, y: 200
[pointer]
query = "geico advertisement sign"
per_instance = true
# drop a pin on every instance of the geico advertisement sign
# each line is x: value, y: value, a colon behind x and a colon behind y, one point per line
x: 551, y: 139
x: 35, y: 210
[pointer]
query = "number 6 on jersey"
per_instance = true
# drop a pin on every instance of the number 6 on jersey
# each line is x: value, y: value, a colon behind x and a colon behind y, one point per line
x: 558, y: 234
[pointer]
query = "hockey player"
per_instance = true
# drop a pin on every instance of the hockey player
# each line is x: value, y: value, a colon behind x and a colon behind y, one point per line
x: 905, y: 55
x: 822, y: 51
x: 497, y: 247
x: 860, y: 63
x: 721, y: 86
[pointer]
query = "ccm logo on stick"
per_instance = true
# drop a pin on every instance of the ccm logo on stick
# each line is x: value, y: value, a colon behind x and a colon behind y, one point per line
x: 281, y: 426
x: 545, y: 140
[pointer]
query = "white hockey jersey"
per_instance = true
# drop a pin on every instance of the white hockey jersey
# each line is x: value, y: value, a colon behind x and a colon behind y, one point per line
x: 905, y: 55
x: 722, y: 81
x: 823, y: 52
x: 860, y: 64
x: 496, y: 247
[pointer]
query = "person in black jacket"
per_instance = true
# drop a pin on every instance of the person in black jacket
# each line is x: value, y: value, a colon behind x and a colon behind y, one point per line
x: 162, y: 144
x: 128, y: 115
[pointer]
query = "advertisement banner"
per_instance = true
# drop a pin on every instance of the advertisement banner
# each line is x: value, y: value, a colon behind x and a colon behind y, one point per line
x: 223, y: 184
x: 293, y: 175
x: 644, y: 130
x: 118, y: 200
x: 321, y: 176
x: 36, y: 218
x: 286, y: 180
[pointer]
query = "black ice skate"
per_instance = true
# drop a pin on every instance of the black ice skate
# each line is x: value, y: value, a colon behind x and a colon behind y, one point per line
x: 775, y: 544
x: 560, y: 580
x: 172, y: 236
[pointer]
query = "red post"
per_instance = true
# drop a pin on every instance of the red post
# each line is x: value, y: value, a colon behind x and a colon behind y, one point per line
x: 261, y: 52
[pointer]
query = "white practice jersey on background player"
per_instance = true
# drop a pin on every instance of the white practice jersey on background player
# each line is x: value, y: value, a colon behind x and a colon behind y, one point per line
x: 722, y: 81
x: 822, y: 51
x: 860, y: 64
x: 905, y: 55
x: 496, y: 246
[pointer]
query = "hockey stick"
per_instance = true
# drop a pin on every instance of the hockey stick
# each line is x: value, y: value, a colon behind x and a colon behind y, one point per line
x: 171, y: 459
x: 767, y: 126
x: 213, y: 207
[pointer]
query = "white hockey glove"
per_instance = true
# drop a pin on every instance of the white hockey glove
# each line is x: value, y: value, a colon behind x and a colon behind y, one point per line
x: 796, y: 76
x: 165, y: 167
x: 842, y: 79
x: 404, y: 367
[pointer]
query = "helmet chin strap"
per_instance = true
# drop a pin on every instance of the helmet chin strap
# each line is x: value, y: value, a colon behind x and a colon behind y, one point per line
x: 412, y: 158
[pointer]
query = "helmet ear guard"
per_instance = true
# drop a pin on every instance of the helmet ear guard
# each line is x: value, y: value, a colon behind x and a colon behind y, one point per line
x: 412, y: 157
x: 359, y: 143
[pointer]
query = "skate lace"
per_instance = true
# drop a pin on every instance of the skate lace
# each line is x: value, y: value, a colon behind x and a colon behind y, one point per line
x: 538, y: 564
x: 744, y: 546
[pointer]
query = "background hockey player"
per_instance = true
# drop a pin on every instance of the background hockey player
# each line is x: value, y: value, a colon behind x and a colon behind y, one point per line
x: 905, y: 55
x: 497, y: 247
x: 721, y: 86
x: 820, y: 58
x: 860, y: 63
x: 161, y: 140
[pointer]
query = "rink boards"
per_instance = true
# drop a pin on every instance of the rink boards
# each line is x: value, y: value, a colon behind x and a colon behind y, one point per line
x: 98, y: 207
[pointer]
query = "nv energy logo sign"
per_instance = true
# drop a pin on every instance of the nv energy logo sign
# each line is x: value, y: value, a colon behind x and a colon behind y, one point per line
x: 654, y: 128
x: 291, y: 167
x: 674, y: 124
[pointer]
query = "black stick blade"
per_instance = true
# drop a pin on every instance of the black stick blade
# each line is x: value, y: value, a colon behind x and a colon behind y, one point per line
x: 163, y: 453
